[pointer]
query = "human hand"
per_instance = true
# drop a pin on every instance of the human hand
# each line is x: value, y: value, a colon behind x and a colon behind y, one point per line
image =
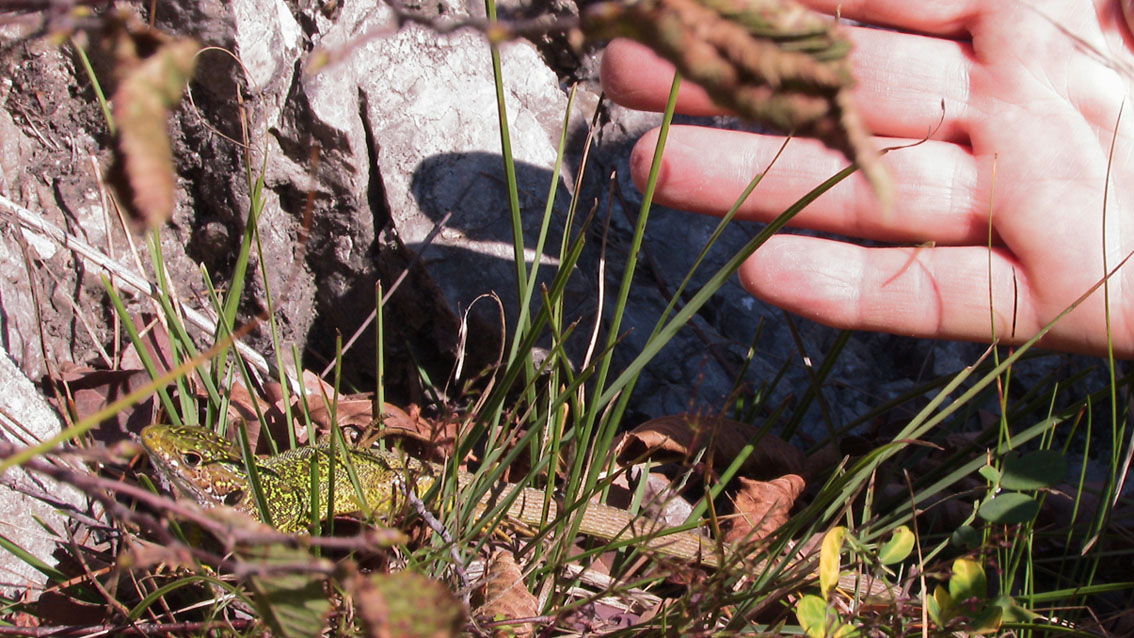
x: 1030, y: 115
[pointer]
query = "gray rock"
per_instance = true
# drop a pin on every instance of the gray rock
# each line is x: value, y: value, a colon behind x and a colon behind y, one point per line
x: 46, y: 150
x: 24, y: 516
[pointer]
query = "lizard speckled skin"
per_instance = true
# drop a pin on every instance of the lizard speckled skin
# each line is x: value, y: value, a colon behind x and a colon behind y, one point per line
x: 210, y: 470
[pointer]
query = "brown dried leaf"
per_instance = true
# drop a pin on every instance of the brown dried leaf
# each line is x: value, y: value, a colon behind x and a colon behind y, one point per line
x: 350, y: 411
x: 677, y: 438
x: 763, y: 506
x: 245, y: 406
x: 432, y: 438
x: 152, y: 70
x: 357, y: 412
x: 242, y: 408
x: 371, y: 607
x: 395, y: 418
x: 505, y: 596
x: 155, y: 338
x: 316, y: 386
x: 92, y: 390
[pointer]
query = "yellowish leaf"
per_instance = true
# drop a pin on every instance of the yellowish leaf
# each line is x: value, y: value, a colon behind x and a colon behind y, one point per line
x: 829, y: 560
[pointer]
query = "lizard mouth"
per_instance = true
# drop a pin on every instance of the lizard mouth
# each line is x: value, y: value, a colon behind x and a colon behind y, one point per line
x: 172, y: 479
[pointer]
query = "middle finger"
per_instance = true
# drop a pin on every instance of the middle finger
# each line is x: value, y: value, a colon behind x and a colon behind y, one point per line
x: 940, y: 193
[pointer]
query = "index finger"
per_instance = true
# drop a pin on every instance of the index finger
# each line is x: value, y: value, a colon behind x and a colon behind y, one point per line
x: 637, y: 78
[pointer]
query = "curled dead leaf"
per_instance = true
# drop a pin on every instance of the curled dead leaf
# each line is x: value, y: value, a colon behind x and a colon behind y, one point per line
x: 659, y: 500
x: 151, y: 69
x: 91, y: 390
x: 763, y: 506
x: 431, y: 438
x: 678, y: 438
x: 143, y: 151
x: 506, y: 597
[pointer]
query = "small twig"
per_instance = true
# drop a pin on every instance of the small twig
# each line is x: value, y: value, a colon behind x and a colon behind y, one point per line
x: 39, y: 494
x: 243, y: 570
x: 439, y: 527
x: 96, y: 487
x: 91, y: 578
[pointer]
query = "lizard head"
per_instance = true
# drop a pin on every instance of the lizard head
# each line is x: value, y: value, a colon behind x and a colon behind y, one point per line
x: 197, y: 463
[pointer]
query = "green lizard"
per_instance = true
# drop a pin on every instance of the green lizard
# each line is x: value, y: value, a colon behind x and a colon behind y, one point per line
x: 209, y: 469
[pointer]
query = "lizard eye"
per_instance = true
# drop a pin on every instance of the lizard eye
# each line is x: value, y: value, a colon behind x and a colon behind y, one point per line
x: 191, y: 459
x: 233, y: 498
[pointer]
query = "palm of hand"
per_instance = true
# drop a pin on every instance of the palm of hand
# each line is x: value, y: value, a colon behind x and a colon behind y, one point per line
x: 1051, y: 118
x: 1030, y: 115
